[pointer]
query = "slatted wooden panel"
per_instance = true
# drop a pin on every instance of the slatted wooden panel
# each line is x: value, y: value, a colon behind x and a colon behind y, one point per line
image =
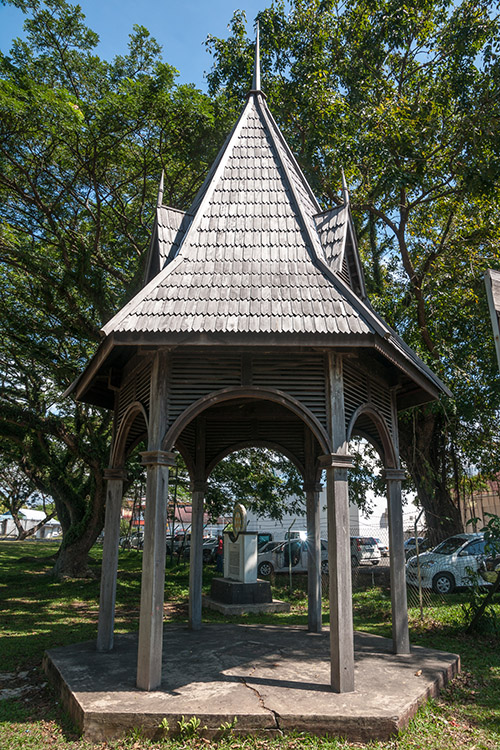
x: 136, y: 388
x: 220, y: 438
x: 302, y: 376
x: 360, y: 388
x: 355, y: 389
x: 366, y: 425
x: 381, y: 398
x: 194, y: 376
x: 344, y: 272
x: 188, y: 438
x: 137, y: 431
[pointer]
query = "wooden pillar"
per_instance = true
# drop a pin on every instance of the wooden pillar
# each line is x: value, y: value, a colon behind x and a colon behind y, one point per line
x: 157, y: 462
x: 339, y: 545
x: 114, y: 495
x: 400, y: 633
x: 196, y: 556
x: 312, y: 491
x: 153, y: 569
x: 339, y: 561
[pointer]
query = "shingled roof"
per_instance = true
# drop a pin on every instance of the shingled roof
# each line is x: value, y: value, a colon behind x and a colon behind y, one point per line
x: 248, y: 256
x: 255, y: 256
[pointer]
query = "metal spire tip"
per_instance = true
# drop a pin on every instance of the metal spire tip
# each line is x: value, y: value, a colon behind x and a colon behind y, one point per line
x: 256, y: 69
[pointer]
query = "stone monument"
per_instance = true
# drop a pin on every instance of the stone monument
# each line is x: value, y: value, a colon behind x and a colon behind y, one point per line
x: 240, y: 590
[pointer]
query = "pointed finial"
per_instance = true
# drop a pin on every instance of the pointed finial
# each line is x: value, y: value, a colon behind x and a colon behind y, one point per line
x: 345, y: 191
x: 256, y: 69
x: 160, y: 190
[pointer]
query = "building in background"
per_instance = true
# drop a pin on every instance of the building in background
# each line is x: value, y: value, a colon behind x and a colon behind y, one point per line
x: 29, y: 518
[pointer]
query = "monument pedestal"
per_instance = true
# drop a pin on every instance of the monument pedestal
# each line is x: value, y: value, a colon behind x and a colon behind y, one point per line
x: 240, y: 590
x: 235, y: 592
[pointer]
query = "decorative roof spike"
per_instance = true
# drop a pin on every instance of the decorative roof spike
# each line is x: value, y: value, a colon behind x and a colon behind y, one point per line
x: 345, y: 190
x: 159, y: 202
x: 256, y: 69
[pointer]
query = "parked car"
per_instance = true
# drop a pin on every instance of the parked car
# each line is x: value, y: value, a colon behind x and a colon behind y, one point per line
x: 384, y: 549
x: 180, y: 540
x: 411, y: 546
x: 275, y: 557
x: 364, y: 549
x: 263, y: 539
x: 134, y: 541
x: 209, y: 549
x: 451, y: 564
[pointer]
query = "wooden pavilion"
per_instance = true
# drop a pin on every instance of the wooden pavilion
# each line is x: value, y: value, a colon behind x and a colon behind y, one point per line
x: 253, y: 328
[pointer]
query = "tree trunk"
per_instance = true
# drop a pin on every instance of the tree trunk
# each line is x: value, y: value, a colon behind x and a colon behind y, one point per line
x: 72, y: 559
x: 424, y: 449
x: 31, y: 532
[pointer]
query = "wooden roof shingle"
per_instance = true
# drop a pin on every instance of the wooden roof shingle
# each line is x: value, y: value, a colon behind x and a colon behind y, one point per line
x: 256, y: 260
x: 245, y: 257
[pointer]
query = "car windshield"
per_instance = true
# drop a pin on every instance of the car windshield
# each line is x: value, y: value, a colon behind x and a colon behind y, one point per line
x: 449, y: 546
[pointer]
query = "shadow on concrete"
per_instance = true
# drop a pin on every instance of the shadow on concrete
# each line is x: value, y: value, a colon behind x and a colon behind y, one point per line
x: 271, y: 678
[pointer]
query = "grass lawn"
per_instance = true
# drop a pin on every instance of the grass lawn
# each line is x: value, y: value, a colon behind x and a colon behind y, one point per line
x: 38, y: 612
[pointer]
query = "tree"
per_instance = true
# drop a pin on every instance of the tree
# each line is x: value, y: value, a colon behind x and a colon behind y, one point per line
x: 82, y: 145
x: 16, y: 491
x: 265, y: 481
x: 405, y: 97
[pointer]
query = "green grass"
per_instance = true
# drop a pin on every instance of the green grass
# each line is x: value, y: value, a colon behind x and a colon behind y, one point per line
x: 38, y: 612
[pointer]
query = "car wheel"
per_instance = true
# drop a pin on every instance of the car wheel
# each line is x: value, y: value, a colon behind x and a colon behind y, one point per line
x: 324, y: 566
x: 265, y: 569
x: 443, y: 583
x: 354, y: 561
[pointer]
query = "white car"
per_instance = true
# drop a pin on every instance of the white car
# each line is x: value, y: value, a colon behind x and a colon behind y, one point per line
x: 275, y: 557
x: 452, y: 563
x: 364, y: 549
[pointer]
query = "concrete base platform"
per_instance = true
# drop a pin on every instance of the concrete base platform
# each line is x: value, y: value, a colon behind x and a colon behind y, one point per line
x: 271, y: 678
x: 239, y: 609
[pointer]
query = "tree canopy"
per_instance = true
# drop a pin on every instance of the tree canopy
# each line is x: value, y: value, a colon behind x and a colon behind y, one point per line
x: 83, y: 142
x: 405, y: 97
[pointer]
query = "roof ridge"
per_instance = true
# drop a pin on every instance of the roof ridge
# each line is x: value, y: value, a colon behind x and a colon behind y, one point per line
x: 202, y: 197
x: 292, y: 158
x: 214, y: 176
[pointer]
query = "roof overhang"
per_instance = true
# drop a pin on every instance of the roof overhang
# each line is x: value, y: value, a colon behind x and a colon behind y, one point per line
x: 416, y: 383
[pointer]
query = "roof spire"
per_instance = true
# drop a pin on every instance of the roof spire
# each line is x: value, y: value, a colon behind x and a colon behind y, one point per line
x: 345, y: 190
x: 160, y: 190
x: 256, y: 69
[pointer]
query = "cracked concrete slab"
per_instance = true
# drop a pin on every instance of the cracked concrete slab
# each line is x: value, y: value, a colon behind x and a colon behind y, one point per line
x: 271, y: 678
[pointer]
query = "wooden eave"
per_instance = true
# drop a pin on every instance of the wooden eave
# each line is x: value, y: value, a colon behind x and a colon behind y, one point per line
x: 99, y: 381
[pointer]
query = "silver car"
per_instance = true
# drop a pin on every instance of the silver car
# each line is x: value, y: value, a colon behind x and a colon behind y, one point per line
x: 452, y: 563
x: 275, y: 557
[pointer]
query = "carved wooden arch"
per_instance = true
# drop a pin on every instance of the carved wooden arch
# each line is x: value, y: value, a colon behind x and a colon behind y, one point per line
x: 386, y: 450
x: 119, y: 456
x: 243, y: 392
x: 256, y: 444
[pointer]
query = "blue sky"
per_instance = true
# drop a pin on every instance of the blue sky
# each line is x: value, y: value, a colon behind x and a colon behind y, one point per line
x: 181, y: 27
